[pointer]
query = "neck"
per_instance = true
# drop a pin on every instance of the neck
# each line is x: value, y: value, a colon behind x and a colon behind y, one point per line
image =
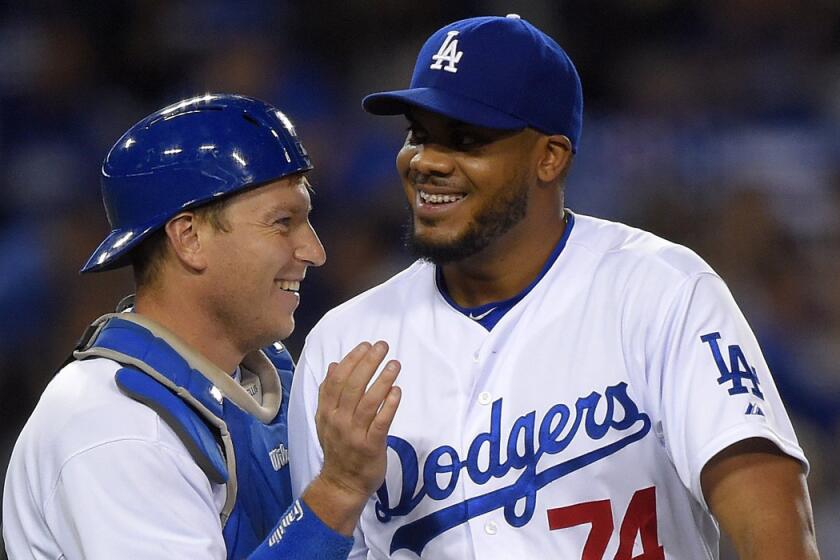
x: 190, y: 322
x: 507, y: 266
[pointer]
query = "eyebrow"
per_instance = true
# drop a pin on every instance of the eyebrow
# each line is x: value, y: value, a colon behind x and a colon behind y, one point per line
x: 452, y: 123
x: 272, y: 210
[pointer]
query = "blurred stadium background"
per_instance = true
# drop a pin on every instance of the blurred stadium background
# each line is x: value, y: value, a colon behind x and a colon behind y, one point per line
x: 715, y: 123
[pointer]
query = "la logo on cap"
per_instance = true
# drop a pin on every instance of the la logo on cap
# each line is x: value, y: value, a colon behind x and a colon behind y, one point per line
x: 449, y: 53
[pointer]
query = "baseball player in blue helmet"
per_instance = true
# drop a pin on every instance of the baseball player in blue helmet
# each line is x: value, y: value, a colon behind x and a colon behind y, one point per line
x: 164, y: 435
x: 574, y: 388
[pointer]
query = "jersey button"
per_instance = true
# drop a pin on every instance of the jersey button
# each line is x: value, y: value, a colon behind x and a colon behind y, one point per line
x: 491, y: 528
x: 475, y: 357
x: 484, y: 398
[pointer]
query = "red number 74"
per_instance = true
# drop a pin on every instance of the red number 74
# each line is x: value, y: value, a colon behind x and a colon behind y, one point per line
x: 640, y: 518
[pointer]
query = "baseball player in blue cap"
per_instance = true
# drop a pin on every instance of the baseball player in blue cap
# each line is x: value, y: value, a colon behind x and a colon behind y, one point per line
x: 165, y: 435
x: 574, y: 387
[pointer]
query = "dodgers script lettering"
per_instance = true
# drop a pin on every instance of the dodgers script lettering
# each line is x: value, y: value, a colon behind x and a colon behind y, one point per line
x: 554, y: 432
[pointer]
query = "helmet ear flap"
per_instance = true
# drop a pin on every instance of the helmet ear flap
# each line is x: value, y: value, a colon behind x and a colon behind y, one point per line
x: 185, y: 155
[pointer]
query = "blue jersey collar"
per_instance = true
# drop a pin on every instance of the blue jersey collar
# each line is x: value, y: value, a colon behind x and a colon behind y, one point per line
x: 488, y: 314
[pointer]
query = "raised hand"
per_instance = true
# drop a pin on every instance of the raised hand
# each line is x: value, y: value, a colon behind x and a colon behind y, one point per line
x: 353, y: 422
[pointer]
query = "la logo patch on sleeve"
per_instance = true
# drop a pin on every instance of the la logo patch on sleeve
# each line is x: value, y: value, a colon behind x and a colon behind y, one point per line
x: 737, y: 371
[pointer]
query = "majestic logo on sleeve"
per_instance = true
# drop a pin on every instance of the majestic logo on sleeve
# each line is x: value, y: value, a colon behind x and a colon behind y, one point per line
x: 449, y: 53
x: 529, y: 441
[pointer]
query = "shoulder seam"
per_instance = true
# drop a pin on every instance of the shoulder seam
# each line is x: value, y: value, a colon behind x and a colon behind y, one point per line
x: 153, y: 442
x: 657, y: 254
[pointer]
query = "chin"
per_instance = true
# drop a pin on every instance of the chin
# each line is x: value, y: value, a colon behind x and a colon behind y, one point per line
x: 274, y: 333
x: 440, y: 249
x: 284, y: 330
x: 283, y: 319
x: 436, y: 236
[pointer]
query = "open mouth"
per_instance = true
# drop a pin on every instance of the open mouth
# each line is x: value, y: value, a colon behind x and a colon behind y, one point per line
x: 289, y: 285
x: 432, y: 199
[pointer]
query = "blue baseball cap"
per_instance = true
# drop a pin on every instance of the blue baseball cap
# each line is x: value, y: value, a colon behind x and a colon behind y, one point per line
x: 495, y: 72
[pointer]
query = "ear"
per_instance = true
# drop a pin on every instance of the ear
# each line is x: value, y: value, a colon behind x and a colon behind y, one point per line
x: 183, y: 232
x: 555, y: 157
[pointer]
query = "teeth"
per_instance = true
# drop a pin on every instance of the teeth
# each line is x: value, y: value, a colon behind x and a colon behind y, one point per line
x: 439, y: 198
x: 289, y: 285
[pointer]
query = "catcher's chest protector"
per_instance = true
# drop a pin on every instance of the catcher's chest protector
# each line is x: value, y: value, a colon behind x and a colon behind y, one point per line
x: 230, y: 445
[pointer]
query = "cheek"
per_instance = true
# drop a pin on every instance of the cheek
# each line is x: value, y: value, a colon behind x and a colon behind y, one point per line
x: 404, y: 168
x: 492, y: 173
x: 480, y: 174
x: 404, y: 159
x: 252, y: 257
x: 222, y: 255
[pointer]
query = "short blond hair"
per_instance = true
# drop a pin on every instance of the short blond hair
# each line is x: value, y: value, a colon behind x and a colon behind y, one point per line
x: 147, y: 258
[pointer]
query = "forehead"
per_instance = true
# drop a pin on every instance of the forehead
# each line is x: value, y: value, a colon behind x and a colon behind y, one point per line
x: 430, y: 119
x: 289, y: 192
x: 443, y: 129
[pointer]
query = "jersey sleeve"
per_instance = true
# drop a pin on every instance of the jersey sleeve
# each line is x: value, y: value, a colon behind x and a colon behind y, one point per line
x: 134, y: 499
x: 713, y: 385
x: 305, y: 454
x: 140, y: 499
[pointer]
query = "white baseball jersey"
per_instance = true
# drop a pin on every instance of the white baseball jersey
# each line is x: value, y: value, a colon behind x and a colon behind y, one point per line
x: 92, y: 466
x: 577, y: 427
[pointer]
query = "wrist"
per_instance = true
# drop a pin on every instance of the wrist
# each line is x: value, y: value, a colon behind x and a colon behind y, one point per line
x: 338, y: 505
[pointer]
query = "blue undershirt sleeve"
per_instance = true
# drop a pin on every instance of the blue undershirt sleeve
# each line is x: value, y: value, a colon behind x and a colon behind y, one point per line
x: 301, y: 535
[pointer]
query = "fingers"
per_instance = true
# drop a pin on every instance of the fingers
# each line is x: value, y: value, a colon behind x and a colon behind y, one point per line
x: 344, y: 394
x: 381, y: 423
x: 359, y: 378
x: 331, y: 388
x: 372, y: 400
x: 354, y: 416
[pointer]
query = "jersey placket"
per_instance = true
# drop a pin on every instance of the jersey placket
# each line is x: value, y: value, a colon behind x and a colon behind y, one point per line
x: 489, y: 530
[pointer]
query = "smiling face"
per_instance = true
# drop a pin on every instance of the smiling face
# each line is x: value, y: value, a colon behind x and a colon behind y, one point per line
x: 256, y: 266
x: 467, y: 186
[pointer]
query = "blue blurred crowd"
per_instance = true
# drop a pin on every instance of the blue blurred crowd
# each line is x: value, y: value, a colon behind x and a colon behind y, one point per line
x: 714, y: 123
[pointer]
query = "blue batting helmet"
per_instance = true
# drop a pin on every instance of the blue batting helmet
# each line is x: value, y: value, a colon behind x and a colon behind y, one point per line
x: 186, y: 155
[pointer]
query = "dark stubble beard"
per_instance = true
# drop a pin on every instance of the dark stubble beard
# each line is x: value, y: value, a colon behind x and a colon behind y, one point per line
x: 498, y: 216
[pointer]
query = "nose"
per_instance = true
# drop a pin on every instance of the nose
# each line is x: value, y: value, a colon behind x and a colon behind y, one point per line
x: 431, y: 160
x: 310, y: 249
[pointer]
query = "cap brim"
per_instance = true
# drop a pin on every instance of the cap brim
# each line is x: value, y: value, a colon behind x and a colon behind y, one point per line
x: 442, y: 102
x: 113, y: 251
